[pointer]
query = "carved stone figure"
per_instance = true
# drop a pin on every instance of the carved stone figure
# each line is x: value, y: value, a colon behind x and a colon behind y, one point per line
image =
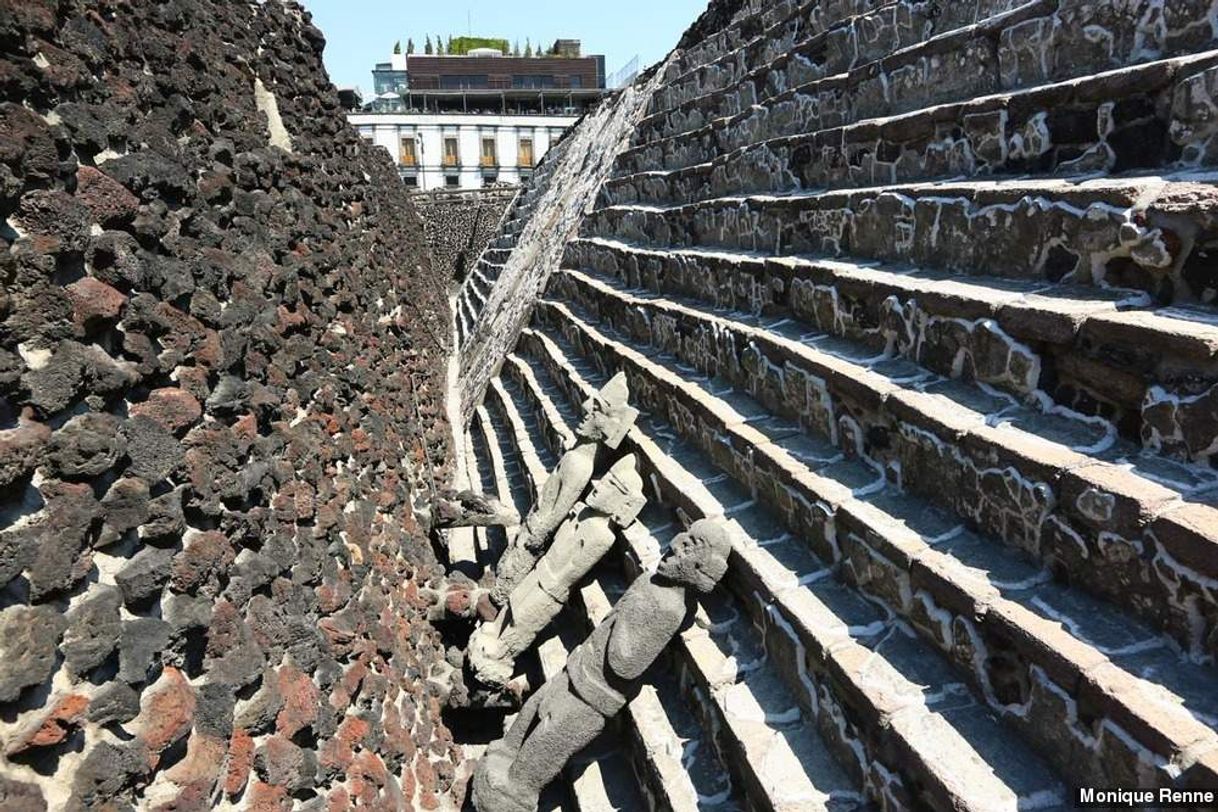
x: 471, y: 509
x: 581, y: 541
x: 601, y: 674
x: 607, y: 419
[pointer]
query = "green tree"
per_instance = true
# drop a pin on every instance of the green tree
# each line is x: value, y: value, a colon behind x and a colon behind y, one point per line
x: 439, y: 45
x: 528, y: 47
x: 409, y: 46
x: 516, y: 49
x: 427, y: 48
x: 448, y: 48
x: 397, y: 47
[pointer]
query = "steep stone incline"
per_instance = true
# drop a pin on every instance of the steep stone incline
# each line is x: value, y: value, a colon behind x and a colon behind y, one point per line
x: 494, y: 302
x: 921, y: 297
x: 221, y: 384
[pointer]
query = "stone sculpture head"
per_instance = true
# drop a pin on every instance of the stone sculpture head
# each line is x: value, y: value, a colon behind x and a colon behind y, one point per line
x: 698, y: 557
x: 607, y: 415
x: 619, y: 493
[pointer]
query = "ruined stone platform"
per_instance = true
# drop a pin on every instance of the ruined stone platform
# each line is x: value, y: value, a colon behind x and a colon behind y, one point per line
x: 922, y: 300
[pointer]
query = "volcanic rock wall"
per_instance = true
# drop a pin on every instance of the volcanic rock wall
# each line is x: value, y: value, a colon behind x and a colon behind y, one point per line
x: 220, y: 355
x: 459, y: 224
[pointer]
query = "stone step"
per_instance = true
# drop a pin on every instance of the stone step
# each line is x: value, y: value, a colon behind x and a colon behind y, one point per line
x: 747, y: 26
x: 770, y: 751
x: 1027, y: 643
x: 476, y: 292
x: 462, y: 542
x: 1116, y: 121
x: 886, y: 703
x: 1126, y: 232
x: 488, y: 272
x: 1040, y: 42
x: 816, y: 42
x: 510, y: 486
x: 462, y: 324
x: 1055, y: 487
x: 493, y: 478
x: 1096, y: 351
x: 496, y: 256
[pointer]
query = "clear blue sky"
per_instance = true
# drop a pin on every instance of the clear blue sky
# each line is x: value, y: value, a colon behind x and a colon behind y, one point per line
x: 360, y: 33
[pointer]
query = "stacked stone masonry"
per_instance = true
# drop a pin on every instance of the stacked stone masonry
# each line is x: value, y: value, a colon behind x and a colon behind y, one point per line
x: 459, y: 225
x: 221, y: 394
x: 922, y: 298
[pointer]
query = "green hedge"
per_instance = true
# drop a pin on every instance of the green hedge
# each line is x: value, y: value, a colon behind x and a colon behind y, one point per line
x: 463, y: 45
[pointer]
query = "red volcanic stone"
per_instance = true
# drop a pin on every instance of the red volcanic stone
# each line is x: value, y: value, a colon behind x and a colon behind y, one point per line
x: 334, y: 596
x: 457, y: 602
x: 266, y: 798
x: 339, y: 750
x: 246, y: 428
x: 54, y: 727
x: 287, y: 320
x: 408, y: 783
x: 109, y: 201
x: 167, y: 713
x: 173, y: 408
x: 225, y: 631
x: 201, y: 766
x: 240, y: 761
x: 193, y: 380
x: 293, y: 501
x: 94, y: 302
x: 339, y: 800
x: 300, y: 701
x: 366, y: 776
x: 204, y: 555
x: 362, y: 441
x: 425, y: 777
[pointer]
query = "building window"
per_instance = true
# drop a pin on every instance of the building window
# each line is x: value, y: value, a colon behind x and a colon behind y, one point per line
x: 450, y: 152
x: 577, y: 81
x: 452, y: 181
x: 490, y: 178
x: 411, y: 181
x: 533, y: 82
x: 407, y: 156
x: 464, y: 82
x: 525, y: 158
x: 489, y: 158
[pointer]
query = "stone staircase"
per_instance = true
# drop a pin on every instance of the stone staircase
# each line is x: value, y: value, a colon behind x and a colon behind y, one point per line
x: 919, y: 297
x: 472, y: 297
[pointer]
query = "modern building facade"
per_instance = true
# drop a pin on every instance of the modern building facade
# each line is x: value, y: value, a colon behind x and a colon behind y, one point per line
x: 467, y: 122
